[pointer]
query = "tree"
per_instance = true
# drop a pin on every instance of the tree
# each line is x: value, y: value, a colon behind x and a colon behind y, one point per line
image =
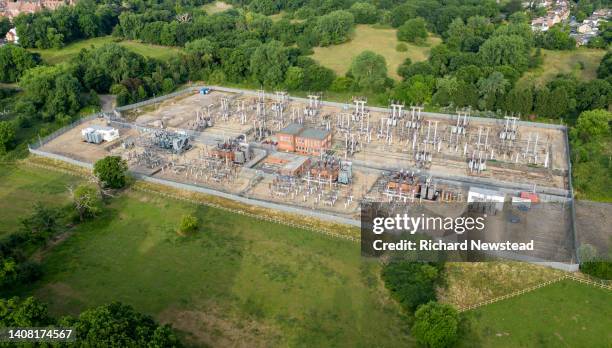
x: 369, y: 70
x: 29, y: 312
x: 590, y: 155
x: 86, y: 200
x: 189, y: 224
x: 317, y: 77
x: 334, y: 28
x: 342, y: 84
x: 519, y: 100
x: 411, y: 283
x: 111, y: 171
x: 42, y: 219
x: 167, y: 85
x: 418, y: 68
x: 594, y: 94
x: 294, y: 78
x: 402, y: 70
x: 513, y: 6
x: 436, y: 325
x: 556, y: 38
x: 7, y: 135
x: 414, y: 30
x: 364, y: 12
x: 65, y: 97
x: 505, y: 50
x: 417, y: 89
x: 446, y: 89
x: 269, y: 63
x: 8, y: 272
x: 593, y: 126
x: 53, y: 91
x: 265, y: 7
x: 5, y: 26
x: 491, y: 89
x: 203, y: 49
x: 119, y: 325
x: 14, y: 61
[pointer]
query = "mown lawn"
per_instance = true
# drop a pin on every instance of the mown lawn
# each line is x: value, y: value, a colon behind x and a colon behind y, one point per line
x: 582, y: 63
x: 381, y: 41
x: 237, y: 281
x: 564, y: 314
x: 21, y: 187
x: 56, y: 56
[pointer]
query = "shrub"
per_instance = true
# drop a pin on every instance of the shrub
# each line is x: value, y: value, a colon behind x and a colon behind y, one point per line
x: 111, y: 171
x: 342, y: 84
x: 401, y: 47
x: 7, y: 135
x: 414, y: 30
x: 411, y: 283
x: 189, y: 224
x: 436, y: 325
x: 599, y: 269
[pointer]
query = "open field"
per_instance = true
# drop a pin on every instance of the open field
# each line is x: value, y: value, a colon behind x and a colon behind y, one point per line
x: 240, y: 281
x: 216, y: 7
x: 237, y: 281
x: 381, y: 41
x: 567, y: 313
x: 56, y: 56
x: 566, y: 62
x: 21, y: 187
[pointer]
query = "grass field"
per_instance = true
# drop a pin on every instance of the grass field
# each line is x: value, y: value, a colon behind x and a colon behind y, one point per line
x: 237, y: 281
x: 564, y: 314
x: 469, y: 283
x: 216, y: 7
x: 565, y: 62
x: 21, y: 187
x: 381, y: 41
x: 241, y: 281
x: 56, y: 56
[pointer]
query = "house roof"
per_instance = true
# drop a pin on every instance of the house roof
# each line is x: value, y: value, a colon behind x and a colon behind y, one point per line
x: 293, y: 129
x: 299, y: 130
x: 312, y: 133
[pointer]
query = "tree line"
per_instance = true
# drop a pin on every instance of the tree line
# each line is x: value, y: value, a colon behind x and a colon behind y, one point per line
x: 112, y: 325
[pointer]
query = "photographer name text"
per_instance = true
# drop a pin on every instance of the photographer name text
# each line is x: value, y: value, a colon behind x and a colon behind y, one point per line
x: 439, y: 245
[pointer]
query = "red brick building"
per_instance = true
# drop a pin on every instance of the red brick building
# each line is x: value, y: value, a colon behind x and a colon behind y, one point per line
x: 307, y: 141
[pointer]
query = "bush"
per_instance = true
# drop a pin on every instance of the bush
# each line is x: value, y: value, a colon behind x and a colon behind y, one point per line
x: 364, y: 13
x: 411, y: 283
x: 599, y: 269
x: 42, y: 219
x: 7, y: 135
x: 87, y: 201
x: 26, y: 312
x: 189, y: 224
x: 436, y: 325
x: 342, y: 84
x: 414, y: 30
x: 119, y: 325
x: 111, y: 171
x: 401, y: 47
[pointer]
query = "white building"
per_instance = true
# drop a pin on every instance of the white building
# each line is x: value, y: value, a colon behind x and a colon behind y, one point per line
x: 99, y: 133
x: 481, y: 195
x: 12, y: 37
